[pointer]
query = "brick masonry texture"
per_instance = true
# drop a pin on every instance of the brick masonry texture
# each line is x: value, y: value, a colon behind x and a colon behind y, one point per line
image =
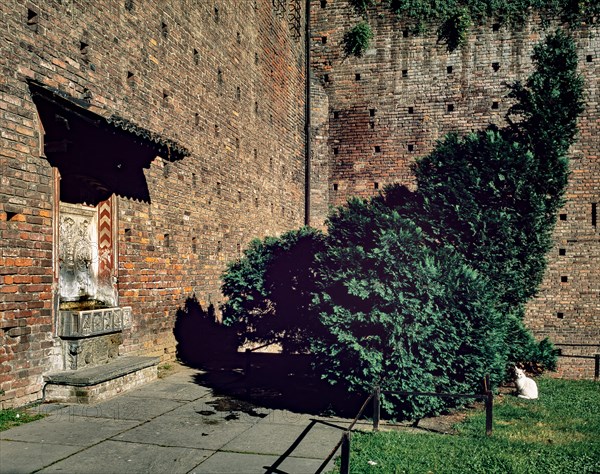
x: 225, y: 79
x: 390, y: 106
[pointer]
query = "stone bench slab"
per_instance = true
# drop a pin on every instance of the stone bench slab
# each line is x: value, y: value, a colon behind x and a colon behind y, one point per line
x: 101, y: 373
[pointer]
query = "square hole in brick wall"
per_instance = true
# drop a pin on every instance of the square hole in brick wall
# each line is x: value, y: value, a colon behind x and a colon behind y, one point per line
x: 449, y: 69
x: 323, y: 3
x: 562, y: 217
x: 84, y: 48
x: 336, y: 115
x: 32, y: 20
x: 372, y: 125
x: 357, y: 76
x: 335, y: 186
x: 404, y: 72
x: 411, y: 147
x: 450, y: 107
x: 564, y: 279
x: 371, y: 112
x: 377, y: 149
x: 325, y: 77
x: 496, y: 67
x: 411, y: 110
x: 560, y: 315
x: 196, y: 56
x: 562, y: 251
x: 496, y: 27
x: 588, y: 58
x: 405, y: 33
x: 130, y: 78
x: 336, y: 151
x: 495, y: 105
x: 323, y: 39
x: 375, y: 185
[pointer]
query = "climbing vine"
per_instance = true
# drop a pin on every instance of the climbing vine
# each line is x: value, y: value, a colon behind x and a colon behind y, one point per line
x: 455, y: 17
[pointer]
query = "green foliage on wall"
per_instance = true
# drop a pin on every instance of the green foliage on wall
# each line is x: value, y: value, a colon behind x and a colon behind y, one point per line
x: 455, y: 17
x: 357, y: 40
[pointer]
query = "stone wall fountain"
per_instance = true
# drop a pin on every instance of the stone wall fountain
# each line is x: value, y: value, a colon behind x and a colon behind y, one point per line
x: 89, y: 322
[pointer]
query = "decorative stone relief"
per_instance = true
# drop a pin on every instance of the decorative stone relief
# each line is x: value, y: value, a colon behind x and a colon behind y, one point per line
x: 94, y: 322
x: 78, y: 252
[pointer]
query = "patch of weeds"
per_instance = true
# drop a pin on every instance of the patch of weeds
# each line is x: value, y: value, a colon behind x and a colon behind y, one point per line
x: 11, y: 417
x: 164, y: 370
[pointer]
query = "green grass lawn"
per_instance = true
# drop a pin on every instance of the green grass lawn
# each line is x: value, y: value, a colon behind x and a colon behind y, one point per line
x: 559, y: 433
x: 11, y: 417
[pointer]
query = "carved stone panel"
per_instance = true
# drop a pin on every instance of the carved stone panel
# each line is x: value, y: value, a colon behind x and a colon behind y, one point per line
x: 76, y: 324
x: 78, y: 252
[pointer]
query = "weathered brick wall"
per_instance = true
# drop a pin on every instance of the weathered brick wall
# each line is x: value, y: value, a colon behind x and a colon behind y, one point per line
x: 390, y: 106
x: 225, y: 79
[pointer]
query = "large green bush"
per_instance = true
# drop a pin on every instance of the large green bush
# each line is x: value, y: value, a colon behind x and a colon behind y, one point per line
x: 425, y: 290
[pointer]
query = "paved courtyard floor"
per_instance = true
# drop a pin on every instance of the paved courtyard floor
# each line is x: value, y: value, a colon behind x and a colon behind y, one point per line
x: 173, y: 425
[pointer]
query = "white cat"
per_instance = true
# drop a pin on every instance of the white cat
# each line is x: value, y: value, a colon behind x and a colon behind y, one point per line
x: 526, y: 387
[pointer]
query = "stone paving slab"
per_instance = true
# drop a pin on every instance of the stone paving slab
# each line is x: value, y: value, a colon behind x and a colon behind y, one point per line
x: 180, y: 432
x: 174, y: 390
x: 124, y: 407
x: 68, y: 430
x: 276, y: 439
x: 238, y: 463
x: 119, y: 457
x: 24, y: 457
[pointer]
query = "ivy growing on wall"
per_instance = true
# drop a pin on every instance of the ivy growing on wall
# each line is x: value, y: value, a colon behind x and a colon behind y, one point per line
x: 454, y: 17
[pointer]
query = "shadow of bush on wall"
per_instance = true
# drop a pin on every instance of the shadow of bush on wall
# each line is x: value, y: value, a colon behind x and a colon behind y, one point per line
x: 202, y: 342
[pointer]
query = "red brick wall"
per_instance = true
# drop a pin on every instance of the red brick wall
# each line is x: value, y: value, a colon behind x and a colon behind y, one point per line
x: 234, y: 76
x: 391, y: 105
